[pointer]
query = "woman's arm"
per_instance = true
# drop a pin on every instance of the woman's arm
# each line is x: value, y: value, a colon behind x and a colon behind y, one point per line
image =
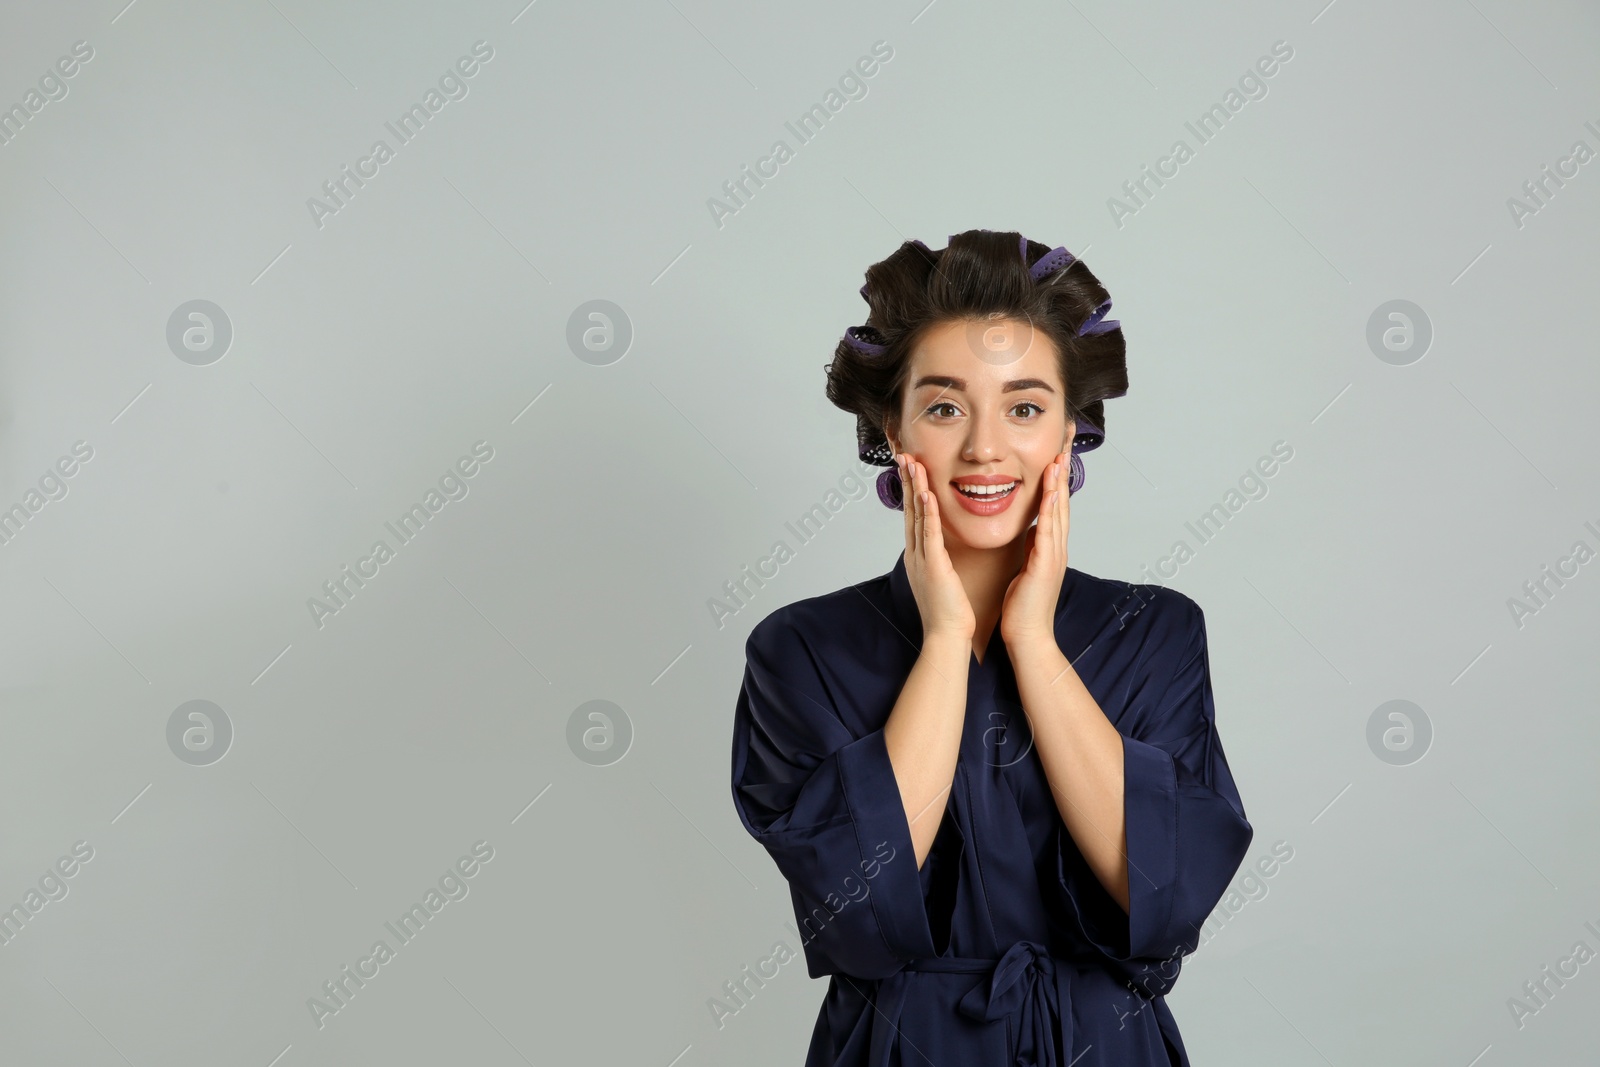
x: 1082, y: 756
x: 1082, y: 753
x: 923, y: 732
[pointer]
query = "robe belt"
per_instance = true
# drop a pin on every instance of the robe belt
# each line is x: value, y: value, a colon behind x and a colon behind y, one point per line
x: 1027, y: 984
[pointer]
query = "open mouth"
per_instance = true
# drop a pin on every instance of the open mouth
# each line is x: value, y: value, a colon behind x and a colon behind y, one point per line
x: 986, y: 492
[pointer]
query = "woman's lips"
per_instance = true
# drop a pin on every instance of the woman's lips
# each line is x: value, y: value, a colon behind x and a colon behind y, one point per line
x: 991, y: 504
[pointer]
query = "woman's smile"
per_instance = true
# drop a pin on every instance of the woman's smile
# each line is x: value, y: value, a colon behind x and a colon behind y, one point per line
x: 986, y: 494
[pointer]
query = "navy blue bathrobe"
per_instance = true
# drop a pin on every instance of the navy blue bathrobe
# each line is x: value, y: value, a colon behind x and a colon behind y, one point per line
x: 1003, y: 948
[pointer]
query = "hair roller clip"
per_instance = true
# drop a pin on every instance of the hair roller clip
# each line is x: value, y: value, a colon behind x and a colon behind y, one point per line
x: 1094, y: 325
x: 855, y: 336
x: 1055, y: 259
x: 879, y: 455
x: 890, y: 493
x: 1075, y: 475
x: 1086, y: 437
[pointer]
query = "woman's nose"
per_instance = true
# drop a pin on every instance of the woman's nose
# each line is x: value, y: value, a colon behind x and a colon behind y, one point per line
x: 983, y: 441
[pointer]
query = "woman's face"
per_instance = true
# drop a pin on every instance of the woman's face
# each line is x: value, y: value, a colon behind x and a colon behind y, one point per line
x: 984, y: 406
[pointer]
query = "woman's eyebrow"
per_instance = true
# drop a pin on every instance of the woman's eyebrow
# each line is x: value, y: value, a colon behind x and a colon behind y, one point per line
x: 960, y: 384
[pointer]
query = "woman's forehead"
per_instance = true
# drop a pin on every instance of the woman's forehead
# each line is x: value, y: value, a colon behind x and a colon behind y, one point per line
x: 986, y: 354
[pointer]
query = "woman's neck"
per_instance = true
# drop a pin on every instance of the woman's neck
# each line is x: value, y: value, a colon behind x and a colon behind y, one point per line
x: 986, y: 574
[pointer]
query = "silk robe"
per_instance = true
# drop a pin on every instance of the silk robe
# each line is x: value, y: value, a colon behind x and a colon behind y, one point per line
x: 1004, y: 948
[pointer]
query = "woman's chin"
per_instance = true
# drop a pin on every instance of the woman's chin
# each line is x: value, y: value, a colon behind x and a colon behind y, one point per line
x: 975, y: 532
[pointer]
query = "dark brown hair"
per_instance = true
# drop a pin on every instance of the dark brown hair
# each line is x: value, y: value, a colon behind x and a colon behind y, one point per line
x: 980, y: 274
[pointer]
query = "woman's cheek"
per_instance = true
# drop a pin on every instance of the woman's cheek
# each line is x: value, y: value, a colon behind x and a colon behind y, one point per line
x: 1035, y: 497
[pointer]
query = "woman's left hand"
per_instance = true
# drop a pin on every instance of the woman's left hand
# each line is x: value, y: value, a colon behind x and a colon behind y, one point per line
x: 1029, y: 608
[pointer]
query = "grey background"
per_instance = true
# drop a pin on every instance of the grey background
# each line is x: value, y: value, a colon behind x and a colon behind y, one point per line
x: 431, y: 712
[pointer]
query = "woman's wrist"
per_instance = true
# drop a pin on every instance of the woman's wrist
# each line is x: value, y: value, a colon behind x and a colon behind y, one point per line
x: 952, y: 642
x: 1026, y: 638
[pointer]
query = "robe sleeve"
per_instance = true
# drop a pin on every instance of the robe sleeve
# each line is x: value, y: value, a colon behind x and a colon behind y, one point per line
x: 1186, y: 827
x: 826, y: 806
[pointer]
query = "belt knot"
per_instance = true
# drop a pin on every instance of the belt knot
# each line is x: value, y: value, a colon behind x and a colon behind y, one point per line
x: 1020, y: 986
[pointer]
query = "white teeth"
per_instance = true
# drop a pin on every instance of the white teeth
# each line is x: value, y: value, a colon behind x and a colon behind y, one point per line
x: 987, y: 490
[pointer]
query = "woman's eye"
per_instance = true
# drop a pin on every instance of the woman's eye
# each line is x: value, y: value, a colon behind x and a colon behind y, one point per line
x: 1028, y: 404
x: 944, y: 409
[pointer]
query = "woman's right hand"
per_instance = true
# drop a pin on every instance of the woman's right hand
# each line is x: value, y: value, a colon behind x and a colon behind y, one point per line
x: 941, y: 598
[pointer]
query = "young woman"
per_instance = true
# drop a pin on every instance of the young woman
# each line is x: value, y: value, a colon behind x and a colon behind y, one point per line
x: 992, y: 781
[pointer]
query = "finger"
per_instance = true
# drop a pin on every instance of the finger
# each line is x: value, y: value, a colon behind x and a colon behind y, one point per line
x: 905, y: 507
x: 1064, y: 504
x: 1051, y: 480
x: 933, y: 533
x: 924, y: 505
x: 913, y: 467
x: 1047, y: 529
x: 1053, y: 506
x: 908, y: 496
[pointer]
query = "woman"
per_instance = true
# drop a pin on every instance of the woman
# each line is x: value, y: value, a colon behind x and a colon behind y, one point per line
x: 1017, y: 759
